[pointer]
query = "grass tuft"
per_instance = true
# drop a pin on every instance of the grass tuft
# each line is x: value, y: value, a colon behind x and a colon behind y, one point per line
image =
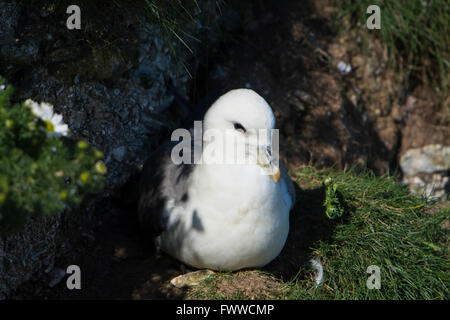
x: 386, y: 226
x: 416, y: 34
x: 383, y: 225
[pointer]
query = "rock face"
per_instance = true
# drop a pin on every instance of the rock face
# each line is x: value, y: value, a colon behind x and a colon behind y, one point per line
x: 426, y: 169
x: 9, y: 15
x: 429, y: 159
x: 26, y: 254
x: 113, y: 93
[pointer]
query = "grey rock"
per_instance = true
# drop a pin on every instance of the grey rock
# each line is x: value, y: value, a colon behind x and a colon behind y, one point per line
x: 344, y: 67
x: 426, y: 170
x: 429, y: 159
x: 119, y: 153
x: 9, y: 17
x: 56, y: 276
x: 430, y: 185
x: 19, y: 55
x: 230, y: 20
x: 219, y: 73
x: 27, y: 254
x: 47, y: 9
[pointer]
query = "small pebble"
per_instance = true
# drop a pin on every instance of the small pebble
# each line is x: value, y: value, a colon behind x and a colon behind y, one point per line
x: 191, y: 279
x: 343, y: 67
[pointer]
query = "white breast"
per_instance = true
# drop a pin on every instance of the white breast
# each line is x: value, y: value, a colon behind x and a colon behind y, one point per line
x: 228, y: 224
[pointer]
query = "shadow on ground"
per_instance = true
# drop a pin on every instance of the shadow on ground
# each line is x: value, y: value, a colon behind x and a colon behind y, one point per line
x: 116, y: 263
x: 308, y: 224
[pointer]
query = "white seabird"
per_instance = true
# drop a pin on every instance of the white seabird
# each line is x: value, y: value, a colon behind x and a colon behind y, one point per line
x: 220, y: 216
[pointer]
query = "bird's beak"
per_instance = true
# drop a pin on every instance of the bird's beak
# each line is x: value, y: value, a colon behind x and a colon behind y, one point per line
x: 265, y: 161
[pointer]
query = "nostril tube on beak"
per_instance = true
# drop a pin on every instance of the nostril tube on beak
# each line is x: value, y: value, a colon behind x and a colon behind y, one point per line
x: 269, y: 152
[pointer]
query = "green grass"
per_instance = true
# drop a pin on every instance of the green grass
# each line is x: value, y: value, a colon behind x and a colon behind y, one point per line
x: 416, y: 34
x: 174, y: 18
x: 387, y: 227
x: 382, y: 225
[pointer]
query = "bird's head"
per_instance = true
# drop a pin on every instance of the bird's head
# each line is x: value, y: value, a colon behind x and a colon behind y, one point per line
x: 242, y: 123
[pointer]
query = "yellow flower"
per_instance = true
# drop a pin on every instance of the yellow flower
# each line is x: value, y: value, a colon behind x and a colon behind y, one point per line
x: 100, y: 167
x: 98, y: 154
x: 82, y: 145
x: 49, y: 126
x: 84, y: 177
x: 9, y: 123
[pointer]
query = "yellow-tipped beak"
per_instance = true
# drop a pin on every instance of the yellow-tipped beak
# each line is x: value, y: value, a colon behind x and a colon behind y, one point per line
x: 276, y: 175
x: 264, y: 162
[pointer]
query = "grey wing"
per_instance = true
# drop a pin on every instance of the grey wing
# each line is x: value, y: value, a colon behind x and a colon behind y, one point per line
x: 289, y: 192
x: 161, y: 181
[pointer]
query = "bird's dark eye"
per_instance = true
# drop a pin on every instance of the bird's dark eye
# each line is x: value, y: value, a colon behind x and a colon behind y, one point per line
x: 239, y: 127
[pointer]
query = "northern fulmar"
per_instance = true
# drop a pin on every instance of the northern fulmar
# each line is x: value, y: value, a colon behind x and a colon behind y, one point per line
x: 220, y: 215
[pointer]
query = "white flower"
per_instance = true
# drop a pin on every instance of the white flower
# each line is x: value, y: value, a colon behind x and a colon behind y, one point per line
x: 54, y: 122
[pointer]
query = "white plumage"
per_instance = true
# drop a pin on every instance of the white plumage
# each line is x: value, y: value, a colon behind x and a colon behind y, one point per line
x: 220, y: 216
